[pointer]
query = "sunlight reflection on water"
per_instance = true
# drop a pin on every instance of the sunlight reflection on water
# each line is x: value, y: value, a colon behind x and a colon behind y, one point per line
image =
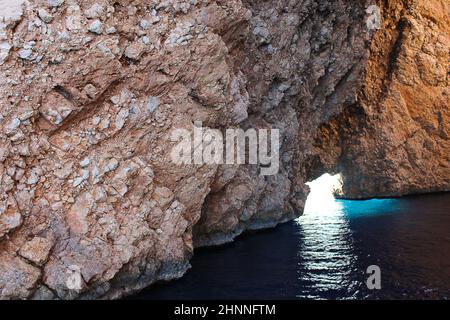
x: 325, y: 254
x: 327, y: 247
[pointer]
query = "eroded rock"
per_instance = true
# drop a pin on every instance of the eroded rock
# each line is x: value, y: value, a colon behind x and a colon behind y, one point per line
x: 36, y: 250
x: 91, y: 205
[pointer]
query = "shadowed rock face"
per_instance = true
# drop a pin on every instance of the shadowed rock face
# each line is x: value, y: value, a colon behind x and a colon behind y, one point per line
x: 91, y: 205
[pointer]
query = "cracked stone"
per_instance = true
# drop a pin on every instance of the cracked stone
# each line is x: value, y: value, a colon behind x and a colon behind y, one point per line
x: 10, y: 219
x: 55, y: 3
x: 25, y: 54
x: 95, y: 11
x: 96, y: 27
x: 36, y: 250
x: 134, y: 51
x: 85, y: 162
x: 12, y: 126
x: 45, y: 16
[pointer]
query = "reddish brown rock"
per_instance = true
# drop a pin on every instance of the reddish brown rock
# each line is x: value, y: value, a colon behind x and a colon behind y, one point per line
x: 395, y: 140
x: 36, y: 250
x: 91, y: 205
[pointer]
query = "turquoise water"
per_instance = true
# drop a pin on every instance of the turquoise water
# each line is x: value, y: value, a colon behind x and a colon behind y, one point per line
x: 325, y: 255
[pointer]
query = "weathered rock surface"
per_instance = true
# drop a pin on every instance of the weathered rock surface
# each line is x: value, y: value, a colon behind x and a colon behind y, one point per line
x: 91, y: 206
x: 396, y: 140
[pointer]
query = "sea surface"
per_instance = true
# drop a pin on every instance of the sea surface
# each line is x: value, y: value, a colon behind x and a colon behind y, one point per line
x: 325, y: 255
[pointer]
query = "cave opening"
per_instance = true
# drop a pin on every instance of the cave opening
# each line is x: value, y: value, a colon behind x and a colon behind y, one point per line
x: 323, y: 193
x: 326, y: 244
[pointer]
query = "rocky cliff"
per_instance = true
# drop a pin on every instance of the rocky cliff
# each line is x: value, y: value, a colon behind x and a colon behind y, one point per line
x: 91, y: 205
x: 395, y: 140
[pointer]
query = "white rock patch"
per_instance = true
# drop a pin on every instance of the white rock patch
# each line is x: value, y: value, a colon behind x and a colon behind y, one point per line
x: 11, y: 9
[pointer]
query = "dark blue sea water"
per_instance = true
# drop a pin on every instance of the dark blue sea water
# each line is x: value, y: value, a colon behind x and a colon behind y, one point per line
x: 325, y: 255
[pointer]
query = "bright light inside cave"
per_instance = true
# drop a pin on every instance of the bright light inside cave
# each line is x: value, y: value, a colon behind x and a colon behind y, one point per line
x: 321, y: 199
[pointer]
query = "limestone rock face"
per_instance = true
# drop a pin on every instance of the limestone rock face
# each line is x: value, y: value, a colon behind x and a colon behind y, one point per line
x: 91, y: 205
